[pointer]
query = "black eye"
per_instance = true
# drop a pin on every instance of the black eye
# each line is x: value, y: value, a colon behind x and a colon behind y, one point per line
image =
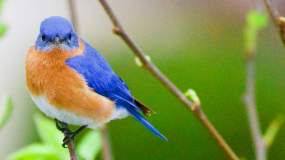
x: 69, y: 37
x: 44, y: 38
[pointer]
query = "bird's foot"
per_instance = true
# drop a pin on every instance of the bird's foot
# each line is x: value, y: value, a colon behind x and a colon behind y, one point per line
x: 62, y: 126
x: 68, y: 134
x: 68, y: 137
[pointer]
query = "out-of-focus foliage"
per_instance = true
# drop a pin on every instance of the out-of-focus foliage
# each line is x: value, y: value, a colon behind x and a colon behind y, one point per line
x: 50, y: 146
x: 7, y: 105
x: 90, y: 146
x: 3, y: 27
x: 1, y: 5
x: 255, y: 21
x: 36, y: 152
x: 47, y: 131
x: 272, y: 130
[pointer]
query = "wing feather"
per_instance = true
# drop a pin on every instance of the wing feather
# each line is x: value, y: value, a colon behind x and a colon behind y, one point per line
x: 102, y: 79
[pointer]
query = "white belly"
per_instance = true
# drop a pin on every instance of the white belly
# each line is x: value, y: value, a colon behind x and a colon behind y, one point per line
x: 71, y: 118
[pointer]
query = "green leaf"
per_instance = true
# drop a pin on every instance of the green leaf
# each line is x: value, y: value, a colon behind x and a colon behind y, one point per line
x: 272, y: 130
x: 139, y: 63
x: 36, y: 152
x: 47, y: 130
x: 7, y: 110
x: 50, y: 135
x: 3, y: 29
x: 90, y: 145
x: 255, y: 21
x: 1, y: 5
x: 192, y: 95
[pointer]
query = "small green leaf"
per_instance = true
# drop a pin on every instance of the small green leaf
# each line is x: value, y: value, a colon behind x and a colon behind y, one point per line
x: 192, y: 95
x: 7, y: 110
x: 255, y: 21
x: 90, y: 145
x: 36, y: 152
x: 3, y: 29
x: 138, y: 61
x: 47, y: 131
x: 272, y: 130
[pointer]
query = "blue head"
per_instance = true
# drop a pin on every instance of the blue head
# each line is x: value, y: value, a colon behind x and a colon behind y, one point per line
x: 56, y: 32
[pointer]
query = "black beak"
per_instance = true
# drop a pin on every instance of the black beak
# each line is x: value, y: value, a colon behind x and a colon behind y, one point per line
x: 57, y: 40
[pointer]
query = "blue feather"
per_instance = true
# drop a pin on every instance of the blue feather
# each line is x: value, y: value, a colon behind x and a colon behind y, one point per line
x: 130, y: 107
x: 100, y: 77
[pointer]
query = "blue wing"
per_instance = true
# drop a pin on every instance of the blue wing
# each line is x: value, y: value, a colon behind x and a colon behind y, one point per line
x: 100, y: 77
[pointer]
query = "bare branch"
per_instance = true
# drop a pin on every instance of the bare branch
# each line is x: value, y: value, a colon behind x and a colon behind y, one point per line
x: 273, y: 13
x: 63, y: 127
x: 252, y: 29
x: 278, y: 20
x: 250, y: 105
x: 197, y: 110
x: 71, y: 150
x: 107, y: 152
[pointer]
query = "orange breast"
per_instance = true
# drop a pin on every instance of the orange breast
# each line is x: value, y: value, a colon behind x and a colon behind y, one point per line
x: 48, y: 75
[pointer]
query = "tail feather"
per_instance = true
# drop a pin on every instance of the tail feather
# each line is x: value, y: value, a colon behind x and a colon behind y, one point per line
x: 135, y: 113
x: 144, y: 122
x: 146, y: 111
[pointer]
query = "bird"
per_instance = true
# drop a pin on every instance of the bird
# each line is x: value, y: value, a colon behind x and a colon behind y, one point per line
x: 71, y: 82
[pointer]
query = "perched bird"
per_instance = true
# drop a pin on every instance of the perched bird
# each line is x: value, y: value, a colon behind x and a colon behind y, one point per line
x: 71, y: 82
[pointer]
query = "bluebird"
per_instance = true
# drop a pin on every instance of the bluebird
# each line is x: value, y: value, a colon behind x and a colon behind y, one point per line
x: 72, y: 83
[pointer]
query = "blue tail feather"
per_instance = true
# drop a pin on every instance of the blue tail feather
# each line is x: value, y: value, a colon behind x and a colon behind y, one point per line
x: 144, y: 122
x: 132, y: 109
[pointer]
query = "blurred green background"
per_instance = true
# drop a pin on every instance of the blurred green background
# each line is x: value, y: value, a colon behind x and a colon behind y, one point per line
x: 197, y: 45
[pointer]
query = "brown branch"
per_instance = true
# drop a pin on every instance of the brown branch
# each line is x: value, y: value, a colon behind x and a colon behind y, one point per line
x: 278, y: 20
x: 249, y: 97
x: 71, y: 150
x: 271, y: 11
x: 250, y: 105
x: 63, y: 127
x: 197, y: 110
x: 107, y: 152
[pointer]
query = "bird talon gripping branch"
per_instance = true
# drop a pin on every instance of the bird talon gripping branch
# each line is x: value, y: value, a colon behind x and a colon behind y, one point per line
x: 67, y: 139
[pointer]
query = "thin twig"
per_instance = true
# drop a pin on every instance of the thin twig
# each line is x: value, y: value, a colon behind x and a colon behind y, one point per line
x: 107, y: 152
x: 278, y: 20
x: 273, y: 13
x: 249, y: 97
x: 71, y: 150
x: 63, y: 127
x: 250, y: 105
x: 197, y: 110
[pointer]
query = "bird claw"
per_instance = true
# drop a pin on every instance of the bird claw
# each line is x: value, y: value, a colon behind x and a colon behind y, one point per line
x: 61, y: 126
x: 68, y: 137
x: 68, y: 134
